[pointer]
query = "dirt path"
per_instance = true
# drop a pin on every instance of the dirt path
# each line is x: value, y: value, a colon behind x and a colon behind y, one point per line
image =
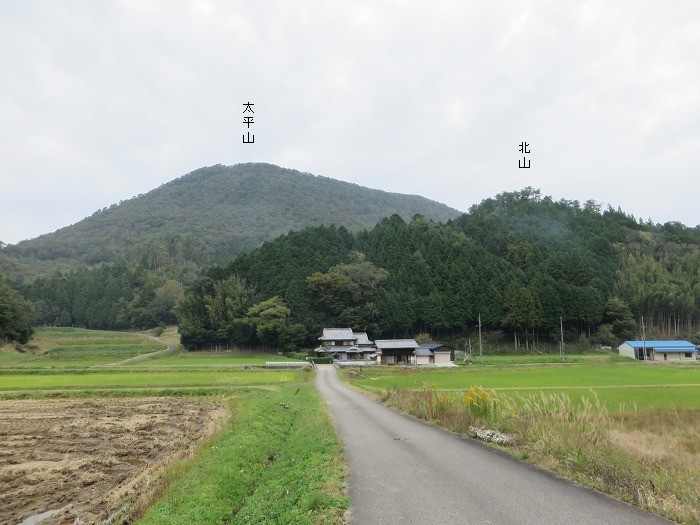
x: 170, y: 349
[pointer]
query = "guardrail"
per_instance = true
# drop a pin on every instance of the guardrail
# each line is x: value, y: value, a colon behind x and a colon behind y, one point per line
x: 360, y: 363
x: 287, y: 364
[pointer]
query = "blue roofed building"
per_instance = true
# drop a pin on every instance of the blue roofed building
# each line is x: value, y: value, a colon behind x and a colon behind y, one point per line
x: 659, y: 350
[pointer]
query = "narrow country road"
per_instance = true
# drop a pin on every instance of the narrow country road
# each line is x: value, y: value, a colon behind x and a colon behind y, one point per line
x: 404, y: 472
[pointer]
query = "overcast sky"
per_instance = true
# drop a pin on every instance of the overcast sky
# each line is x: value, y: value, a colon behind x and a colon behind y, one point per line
x: 101, y: 101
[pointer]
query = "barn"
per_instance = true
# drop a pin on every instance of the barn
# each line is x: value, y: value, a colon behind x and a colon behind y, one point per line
x: 659, y: 350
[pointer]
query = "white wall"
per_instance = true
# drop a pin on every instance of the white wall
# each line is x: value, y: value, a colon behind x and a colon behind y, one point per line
x: 422, y: 359
x: 675, y: 356
x: 442, y: 358
x: 626, y: 350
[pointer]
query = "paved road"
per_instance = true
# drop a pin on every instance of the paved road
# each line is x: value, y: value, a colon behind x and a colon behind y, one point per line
x: 404, y: 472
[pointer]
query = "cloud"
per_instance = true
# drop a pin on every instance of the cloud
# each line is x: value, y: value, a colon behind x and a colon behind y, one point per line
x: 106, y: 100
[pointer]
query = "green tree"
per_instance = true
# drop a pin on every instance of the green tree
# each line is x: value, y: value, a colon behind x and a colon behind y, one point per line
x: 15, y: 315
x: 349, y: 290
x: 619, y: 317
x: 270, y: 319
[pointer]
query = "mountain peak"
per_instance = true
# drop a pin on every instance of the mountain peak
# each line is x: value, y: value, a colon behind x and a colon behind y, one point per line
x: 218, y: 211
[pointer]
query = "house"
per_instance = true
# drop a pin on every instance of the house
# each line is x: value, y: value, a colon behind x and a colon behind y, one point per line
x: 393, y: 351
x: 436, y: 354
x: 659, y: 350
x: 344, y: 344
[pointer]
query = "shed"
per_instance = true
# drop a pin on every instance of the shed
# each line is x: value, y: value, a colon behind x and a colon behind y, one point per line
x: 396, y: 351
x: 659, y: 350
x: 442, y: 354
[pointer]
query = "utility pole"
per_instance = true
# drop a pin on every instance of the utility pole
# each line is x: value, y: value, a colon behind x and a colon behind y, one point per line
x: 481, y: 352
x: 644, y: 341
x: 561, y: 344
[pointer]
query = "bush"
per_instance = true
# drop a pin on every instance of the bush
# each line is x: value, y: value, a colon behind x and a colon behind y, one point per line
x: 321, y: 360
x: 301, y: 356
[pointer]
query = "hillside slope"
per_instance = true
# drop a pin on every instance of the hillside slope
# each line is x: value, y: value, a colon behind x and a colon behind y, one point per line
x: 217, y: 212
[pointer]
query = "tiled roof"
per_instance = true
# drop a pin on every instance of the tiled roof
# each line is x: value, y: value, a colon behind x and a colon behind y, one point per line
x: 337, y: 334
x: 395, y: 343
x: 362, y: 338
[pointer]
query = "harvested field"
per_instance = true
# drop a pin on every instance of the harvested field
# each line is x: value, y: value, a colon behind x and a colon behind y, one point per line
x: 91, y: 459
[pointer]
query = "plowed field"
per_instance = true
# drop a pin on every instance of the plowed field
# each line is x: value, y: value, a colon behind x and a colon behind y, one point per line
x: 91, y: 459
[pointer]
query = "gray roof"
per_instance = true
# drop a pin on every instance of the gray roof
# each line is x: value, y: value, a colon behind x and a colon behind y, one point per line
x: 362, y: 338
x: 431, y: 346
x: 423, y: 351
x: 395, y: 343
x: 337, y: 334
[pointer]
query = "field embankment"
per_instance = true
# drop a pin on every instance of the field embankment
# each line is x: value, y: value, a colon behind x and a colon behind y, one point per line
x: 205, y: 444
x: 627, y: 430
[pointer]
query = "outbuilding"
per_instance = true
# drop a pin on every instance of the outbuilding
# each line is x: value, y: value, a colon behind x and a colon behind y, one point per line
x: 440, y: 354
x: 659, y: 350
x: 395, y: 351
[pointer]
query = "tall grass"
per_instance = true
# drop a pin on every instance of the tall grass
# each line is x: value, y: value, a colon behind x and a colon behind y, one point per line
x: 581, y: 440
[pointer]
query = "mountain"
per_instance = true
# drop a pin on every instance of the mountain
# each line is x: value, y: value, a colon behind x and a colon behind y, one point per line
x: 216, y: 212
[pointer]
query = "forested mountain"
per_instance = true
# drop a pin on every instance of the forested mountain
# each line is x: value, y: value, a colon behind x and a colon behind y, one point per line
x: 216, y: 212
x: 519, y: 260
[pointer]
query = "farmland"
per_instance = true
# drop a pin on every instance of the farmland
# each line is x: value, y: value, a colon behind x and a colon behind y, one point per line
x: 627, y: 429
x: 218, y: 359
x: 643, y: 385
x: 112, y: 443
x: 71, y: 348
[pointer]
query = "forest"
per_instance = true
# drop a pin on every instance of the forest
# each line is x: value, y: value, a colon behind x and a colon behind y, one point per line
x: 522, y: 263
x: 208, y: 216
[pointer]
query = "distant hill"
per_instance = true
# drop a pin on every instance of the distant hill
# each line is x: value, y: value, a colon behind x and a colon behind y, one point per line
x: 216, y: 212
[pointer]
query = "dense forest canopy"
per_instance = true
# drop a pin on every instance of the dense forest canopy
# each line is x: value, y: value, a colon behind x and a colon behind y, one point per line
x: 521, y: 262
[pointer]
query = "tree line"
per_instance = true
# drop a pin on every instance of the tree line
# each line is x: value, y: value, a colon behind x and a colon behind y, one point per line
x: 525, y: 264
x: 522, y: 262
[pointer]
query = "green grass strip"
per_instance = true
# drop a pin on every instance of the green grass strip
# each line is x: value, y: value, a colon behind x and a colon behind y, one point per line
x: 119, y: 378
x: 277, y: 462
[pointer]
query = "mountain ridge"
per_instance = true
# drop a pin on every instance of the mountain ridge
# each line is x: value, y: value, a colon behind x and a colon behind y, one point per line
x: 218, y: 211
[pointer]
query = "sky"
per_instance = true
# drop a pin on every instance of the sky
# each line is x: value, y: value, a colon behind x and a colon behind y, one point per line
x: 102, y: 101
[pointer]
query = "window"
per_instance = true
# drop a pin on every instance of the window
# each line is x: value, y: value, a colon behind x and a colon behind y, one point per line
x: 688, y: 354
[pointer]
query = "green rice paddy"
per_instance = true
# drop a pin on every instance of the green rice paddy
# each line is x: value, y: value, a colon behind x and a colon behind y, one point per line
x: 631, y: 384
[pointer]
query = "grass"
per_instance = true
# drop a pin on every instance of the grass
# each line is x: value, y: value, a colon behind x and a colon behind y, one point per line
x: 169, y: 335
x: 638, y: 443
x: 589, y: 357
x: 76, y: 348
x: 47, y: 337
x: 217, y: 359
x: 277, y: 461
x: 633, y: 383
x: 130, y: 379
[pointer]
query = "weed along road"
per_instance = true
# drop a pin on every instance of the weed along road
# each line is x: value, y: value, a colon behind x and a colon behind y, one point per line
x: 404, y: 472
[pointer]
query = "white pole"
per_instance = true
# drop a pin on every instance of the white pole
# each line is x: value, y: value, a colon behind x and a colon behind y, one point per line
x: 481, y: 353
x: 561, y: 328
